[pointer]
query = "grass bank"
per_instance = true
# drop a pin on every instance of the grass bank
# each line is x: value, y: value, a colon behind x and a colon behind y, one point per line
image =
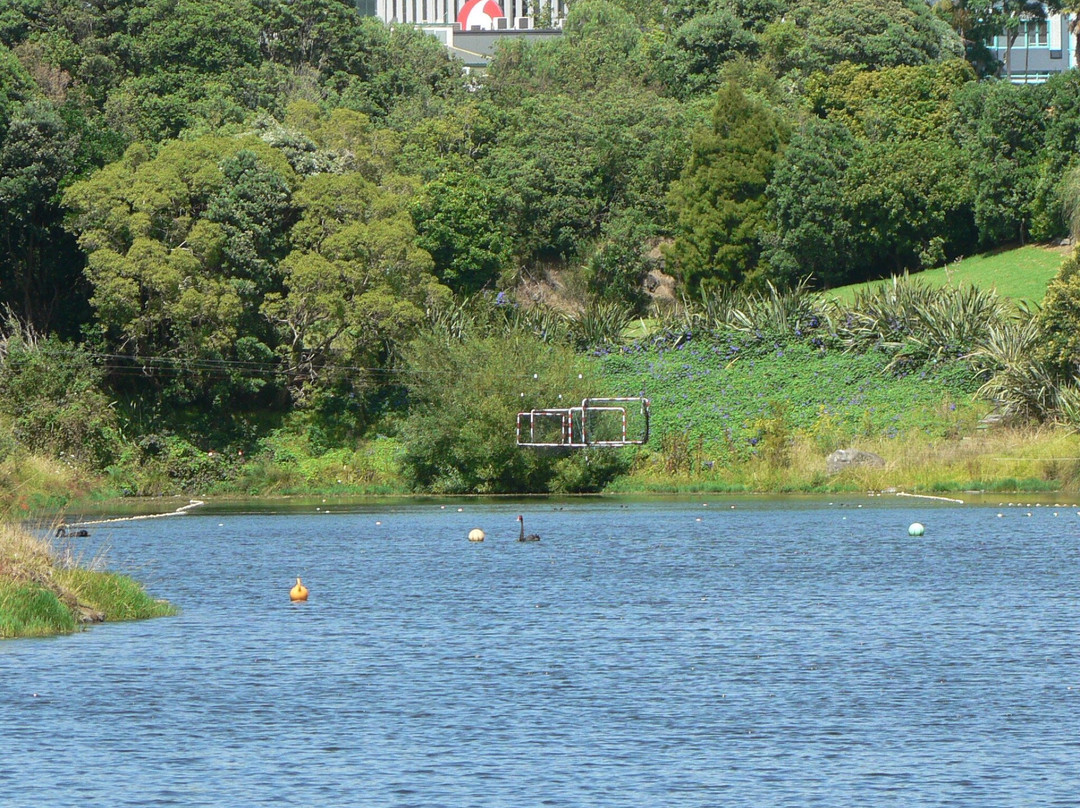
x: 763, y: 417
x: 1019, y: 274
x: 43, y: 593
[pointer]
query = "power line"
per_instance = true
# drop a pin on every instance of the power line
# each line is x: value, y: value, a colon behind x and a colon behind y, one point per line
x: 131, y: 365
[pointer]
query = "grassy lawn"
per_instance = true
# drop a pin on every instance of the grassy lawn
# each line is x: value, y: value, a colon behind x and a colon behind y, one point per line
x: 1020, y: 273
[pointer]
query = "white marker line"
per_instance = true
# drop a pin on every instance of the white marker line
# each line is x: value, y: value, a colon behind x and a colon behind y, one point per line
x: 195, y: 503
x: 927, y: 496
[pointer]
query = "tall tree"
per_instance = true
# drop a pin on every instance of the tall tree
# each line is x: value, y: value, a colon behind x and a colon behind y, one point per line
x: 180, y: 248
x: 719, y: 203
x: 40, y: 267
x: 1004, y: 130
x: 871, y: 33
x: 356, y: 284
x: 812, y: 238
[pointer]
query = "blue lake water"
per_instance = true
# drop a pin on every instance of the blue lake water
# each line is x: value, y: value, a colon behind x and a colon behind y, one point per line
x: 662, y: 653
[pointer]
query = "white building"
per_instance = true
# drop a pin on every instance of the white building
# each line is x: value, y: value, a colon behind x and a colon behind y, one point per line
x: 1038, y: 49
x: 472, y: 15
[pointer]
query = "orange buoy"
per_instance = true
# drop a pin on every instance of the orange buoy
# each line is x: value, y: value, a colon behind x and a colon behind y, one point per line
x: 298, y: 592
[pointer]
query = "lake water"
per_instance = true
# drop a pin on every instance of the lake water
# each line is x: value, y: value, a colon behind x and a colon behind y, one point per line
x: 671, y: 653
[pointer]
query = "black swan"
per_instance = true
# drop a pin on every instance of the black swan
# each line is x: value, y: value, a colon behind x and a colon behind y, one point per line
x: 522, y: 536
x: 64, y: 532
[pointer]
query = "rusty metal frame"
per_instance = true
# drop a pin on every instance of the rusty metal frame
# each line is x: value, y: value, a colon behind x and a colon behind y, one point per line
x: 569, y: 438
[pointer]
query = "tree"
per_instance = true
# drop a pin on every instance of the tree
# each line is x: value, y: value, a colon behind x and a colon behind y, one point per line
x: 812, y: 236
x: 456, y: 223
x: 1004, y: 129
x: 719, y: 203
x: 355, y: 285
x: 39, y: 264
x: 602, y: 48
x: 464, y: 396
x: 1011, y: 16
x: 871, y: 33
x: 254, y: 210
x: 879, y: 184
x: 180, y: 248
x: 384, y: 71
x: 1059, y: 322
x: 976, y: 22
x: 457, y: 142
x: 1054, y: 193
x: 565, y: 165
x: 617, y: 263
x: 688, y: 61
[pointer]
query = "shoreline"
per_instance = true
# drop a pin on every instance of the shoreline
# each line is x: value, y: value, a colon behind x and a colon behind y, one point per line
x: 227, y: 505
x: 44, y: 593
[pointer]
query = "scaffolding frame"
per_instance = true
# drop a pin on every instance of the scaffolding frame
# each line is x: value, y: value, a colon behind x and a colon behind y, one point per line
x: 573, y: 424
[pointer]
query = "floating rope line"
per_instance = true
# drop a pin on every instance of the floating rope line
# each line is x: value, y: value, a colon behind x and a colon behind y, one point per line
x: 195, y: 503
x: 927, y: 496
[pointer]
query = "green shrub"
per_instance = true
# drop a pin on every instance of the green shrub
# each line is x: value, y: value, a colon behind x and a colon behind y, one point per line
x: 588, y: 471
x: 459, y: 436
x: 51, y: 391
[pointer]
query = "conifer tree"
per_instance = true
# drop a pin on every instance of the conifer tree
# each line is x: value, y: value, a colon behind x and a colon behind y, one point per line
x: 719, y: 203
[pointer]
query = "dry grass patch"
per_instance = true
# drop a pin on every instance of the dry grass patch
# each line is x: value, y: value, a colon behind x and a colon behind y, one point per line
x: 1028, y: 459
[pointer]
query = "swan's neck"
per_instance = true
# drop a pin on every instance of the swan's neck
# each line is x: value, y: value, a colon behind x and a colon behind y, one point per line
x: 522, y: 523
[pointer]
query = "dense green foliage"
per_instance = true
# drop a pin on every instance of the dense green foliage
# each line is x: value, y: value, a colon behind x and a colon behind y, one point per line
x: 245, y: 233
x: 464, y: 400
x: 719, y: 201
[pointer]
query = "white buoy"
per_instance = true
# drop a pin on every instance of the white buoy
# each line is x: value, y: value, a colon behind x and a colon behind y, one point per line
x: 476, y: 534
x: 915, y: 529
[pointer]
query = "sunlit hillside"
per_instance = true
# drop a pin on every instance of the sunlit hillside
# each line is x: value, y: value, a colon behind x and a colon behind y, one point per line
x: 1019, y: 273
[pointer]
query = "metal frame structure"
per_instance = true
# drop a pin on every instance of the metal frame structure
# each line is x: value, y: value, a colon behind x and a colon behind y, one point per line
x: 573, y: 424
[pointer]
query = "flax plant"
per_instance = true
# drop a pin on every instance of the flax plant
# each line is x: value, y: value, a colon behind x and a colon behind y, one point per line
x: 541, y: 321
x: 919, y: 324
x: 787, y: 312
x: 784, y: 313
x: 952, y: 324
x: 455, y: 319
x: 599, y: 325
x: 1021, y: 387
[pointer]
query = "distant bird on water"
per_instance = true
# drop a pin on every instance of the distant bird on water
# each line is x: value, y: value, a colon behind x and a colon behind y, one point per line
x: 522, y: 536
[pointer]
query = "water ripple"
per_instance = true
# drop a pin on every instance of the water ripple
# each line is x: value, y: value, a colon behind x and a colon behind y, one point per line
x: 782, y: 656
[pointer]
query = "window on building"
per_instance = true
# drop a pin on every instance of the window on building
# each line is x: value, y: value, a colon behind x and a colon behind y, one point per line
x: 1034, y: 33
x: 367, y: 8
x: 1030, y: 34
